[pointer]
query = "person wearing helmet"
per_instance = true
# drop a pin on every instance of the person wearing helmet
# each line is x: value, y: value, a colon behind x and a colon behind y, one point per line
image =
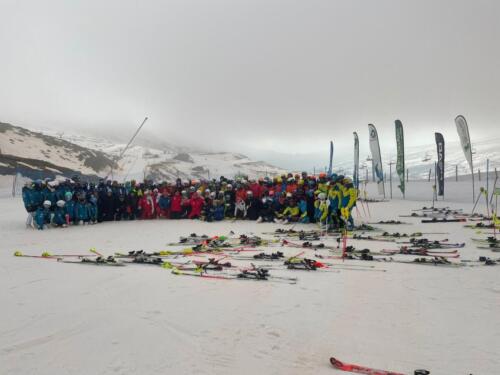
x: 335, y: 197
x: 43, y: 215
x: 49, y: 192
x: 121, y: 207
x: 310, y: 199
x: 106, y: 206
x: 302, y: 204
x: 229, y: 201
x: 348, y: 202
x: 322, y: 183
x: 219, y: 207
x: 69, y: 208
x: 81, y: 210
x: 92, y: 208
x: 209, y: 206
x: 37, y: 194
x: 291, y: 213
x: 322, y: 205
x: 29, y: 205
x: 147, y: 206
x: 279, y: 185
x: 132, y: 199
x: 196, y: 202
x: 257, y: 188
x: 241, y: 194
x: 253, y: 204
x: 291, y: 186
x: 59, y: 218
x: 185, y: 204
x: 267, y: 214
x: 176, y: 206
x: 240, y: 207
x: 164, y: 204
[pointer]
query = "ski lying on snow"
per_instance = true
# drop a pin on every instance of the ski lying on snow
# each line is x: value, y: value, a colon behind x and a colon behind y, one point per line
x: 488, y: 241
x: 492, y: 248
x: 95, y: 262
x: 244, y: 275
x: 443, y: 221
x: 350, y: 367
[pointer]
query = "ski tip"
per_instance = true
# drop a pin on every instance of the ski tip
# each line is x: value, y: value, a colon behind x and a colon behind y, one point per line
x: 335, y: 362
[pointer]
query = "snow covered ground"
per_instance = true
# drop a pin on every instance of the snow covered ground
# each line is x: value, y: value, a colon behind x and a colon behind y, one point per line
x: 72, y: 319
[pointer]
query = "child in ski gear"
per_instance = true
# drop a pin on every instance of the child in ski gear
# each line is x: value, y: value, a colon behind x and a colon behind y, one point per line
x: 43, y: 215
x: 81, y: 210
x: 196, y: 203
x: 69, y: 208
x: 59, y: 218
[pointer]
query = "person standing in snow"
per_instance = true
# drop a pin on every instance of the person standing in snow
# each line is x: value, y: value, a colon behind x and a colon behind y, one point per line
x: 175, y: 206
x: 147, y: 206
x: 59, y: 218
x: 43, y: 215
x: 196, y: 203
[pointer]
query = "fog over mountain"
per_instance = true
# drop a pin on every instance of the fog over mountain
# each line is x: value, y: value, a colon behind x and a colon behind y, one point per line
x: 258, y: 77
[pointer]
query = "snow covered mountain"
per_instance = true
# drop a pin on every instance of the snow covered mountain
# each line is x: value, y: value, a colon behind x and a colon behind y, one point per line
x: 36, y: 155
x: 46, y: 153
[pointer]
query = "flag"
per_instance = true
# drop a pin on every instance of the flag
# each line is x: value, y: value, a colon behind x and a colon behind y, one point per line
x: 440, y: 163
x: 463, y: 133
x: 331, y: 159
x: 400, y: 164
x: 376, y: 159
x: 355, y: 177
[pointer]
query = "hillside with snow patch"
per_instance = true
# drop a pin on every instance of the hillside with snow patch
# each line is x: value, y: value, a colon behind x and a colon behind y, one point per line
x: 46, y: 153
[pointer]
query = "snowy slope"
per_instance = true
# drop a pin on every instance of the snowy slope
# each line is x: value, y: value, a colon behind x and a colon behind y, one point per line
x: 76, y: 319
x: 33, y: 153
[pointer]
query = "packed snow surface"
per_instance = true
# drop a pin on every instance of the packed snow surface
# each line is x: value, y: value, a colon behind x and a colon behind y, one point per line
x: 76, y: 319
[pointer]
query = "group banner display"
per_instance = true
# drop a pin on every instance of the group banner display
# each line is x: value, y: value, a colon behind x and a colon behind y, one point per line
x: 330, y: 165
x: 355, y: 176
x: 400, y: 163
x: 463, y: 133
x: 440, y: 163
x: 376, y: 159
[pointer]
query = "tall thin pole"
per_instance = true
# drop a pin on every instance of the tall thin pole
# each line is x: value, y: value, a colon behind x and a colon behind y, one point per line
x: 128, y: 144
x: 14, y: 183
x: 473, y: 185
x: 435, y: 179
x: 487, y: 184
x: 390, y: 177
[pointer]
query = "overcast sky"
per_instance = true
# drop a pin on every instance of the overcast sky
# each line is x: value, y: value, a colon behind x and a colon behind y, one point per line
x: 253, y: 76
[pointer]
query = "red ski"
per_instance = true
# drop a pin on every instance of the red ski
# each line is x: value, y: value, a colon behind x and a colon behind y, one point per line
x: 359, y: 369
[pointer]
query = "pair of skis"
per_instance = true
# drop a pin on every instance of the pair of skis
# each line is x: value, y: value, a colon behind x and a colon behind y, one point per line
x: 256, y: 274
x: 351, y: 367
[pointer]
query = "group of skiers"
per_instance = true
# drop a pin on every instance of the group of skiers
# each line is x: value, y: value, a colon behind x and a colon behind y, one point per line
x: 323, y: 199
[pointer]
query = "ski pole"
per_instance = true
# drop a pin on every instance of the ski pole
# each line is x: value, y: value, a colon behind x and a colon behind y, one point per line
x: 367, y: 206
x: 477, y: 200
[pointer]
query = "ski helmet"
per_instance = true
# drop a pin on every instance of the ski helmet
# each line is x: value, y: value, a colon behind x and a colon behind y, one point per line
x: 60, y: 203
x: 47, y: 204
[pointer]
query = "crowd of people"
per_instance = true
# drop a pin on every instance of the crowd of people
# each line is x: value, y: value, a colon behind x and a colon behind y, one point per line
x: 324, y: 199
